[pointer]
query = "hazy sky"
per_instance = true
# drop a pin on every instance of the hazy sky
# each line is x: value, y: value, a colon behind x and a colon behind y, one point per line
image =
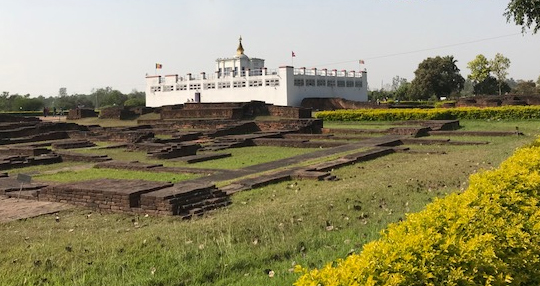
x: 83, y: 44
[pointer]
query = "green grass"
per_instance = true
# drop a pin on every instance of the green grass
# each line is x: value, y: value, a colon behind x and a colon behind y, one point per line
x: 93, y: 173
x: 241, y: 157
x: 271, y: 228
x: 48, y: 168
x: 249, y: 156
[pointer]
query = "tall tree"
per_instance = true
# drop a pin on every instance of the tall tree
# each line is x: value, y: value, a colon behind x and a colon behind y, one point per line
x: 397, y: 81
x: 468, y: 88
x: 525, y: 13
x: 480, y: 69
x: 438, y: 77
x: 525, y: 88
x: 4, y: 101
x: 402, y: 92
x: 62, y: 91
x: 499, y: 65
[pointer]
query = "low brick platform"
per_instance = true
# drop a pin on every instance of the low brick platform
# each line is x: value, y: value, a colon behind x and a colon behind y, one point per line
x: 296, y: 143
x: 410, y: 131
x: 202, y: 157
x: 17, y: 161
x: 307, y: 136
x: 175, y: 151
x: 73, y: 144
x: 24, y: 150
x: 184, y: 199
x: 136, y: 165
x: 11, y: 185
x: 266, y: 179
x: 476, y: 133
x: 353, y: 131
x: 79, y: 157
x: 103, y: 194
x: 53, y: 135
x: 441, y: 142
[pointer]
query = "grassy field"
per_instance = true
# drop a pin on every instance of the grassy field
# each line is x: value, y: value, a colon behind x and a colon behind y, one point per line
x: 266, y: 229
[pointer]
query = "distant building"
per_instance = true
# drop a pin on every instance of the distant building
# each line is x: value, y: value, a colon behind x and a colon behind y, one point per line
x: 243, y: 79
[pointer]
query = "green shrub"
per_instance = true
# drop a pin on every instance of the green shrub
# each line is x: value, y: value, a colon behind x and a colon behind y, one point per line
x: 487, y: 235
x: 475, y: 113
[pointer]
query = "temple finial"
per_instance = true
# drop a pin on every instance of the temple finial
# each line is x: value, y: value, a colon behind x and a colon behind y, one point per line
x: 240, y: 49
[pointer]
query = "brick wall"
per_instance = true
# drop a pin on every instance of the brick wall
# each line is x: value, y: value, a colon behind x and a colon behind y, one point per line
x: 117, y: 112
x: 79, y: 113
x: 289, y: 112
x: 225, y: 113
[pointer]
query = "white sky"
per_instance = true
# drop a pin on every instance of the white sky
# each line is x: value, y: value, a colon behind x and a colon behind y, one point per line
x: 86, y: 44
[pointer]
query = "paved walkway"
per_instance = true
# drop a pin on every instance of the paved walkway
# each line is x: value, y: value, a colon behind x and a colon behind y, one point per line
x: 15, y: 209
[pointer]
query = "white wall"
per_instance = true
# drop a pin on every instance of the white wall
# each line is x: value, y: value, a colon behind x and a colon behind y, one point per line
x: 286, y: 93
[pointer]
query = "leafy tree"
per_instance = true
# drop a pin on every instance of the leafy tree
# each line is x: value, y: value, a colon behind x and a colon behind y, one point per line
x: 511, y: 83
x: 380, y: 95
x: 499, y: 66
x: 480, y: 69
x: 26, y: 103
x: 4, y: 103
x: 402, y: 92
x: 436, y: 77
x: 132, y: 102
x: 137, y: 94
x: 62, y: 91
x: 397, y: 81
x: 491, y: 85
x: 525, y: 88
x: 108, y: 97
x: 525, y: 13
x: 468, y: 88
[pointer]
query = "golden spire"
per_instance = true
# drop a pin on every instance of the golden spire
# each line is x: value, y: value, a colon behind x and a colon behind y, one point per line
x: 240, y: 49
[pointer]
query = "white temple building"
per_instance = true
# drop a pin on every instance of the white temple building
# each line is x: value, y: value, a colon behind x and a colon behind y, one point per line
x: 243, y: 79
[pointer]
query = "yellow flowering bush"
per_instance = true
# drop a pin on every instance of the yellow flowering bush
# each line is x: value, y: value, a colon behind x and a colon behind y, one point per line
x: 505, y: 112
x: 487, y: 235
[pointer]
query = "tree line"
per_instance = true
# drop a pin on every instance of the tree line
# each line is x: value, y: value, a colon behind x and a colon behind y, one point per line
x: 439, y: 77
x: 98, y: 98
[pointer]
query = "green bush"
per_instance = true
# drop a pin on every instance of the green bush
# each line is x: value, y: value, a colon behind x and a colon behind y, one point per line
x: 487, y: 235
x: 474, y: 113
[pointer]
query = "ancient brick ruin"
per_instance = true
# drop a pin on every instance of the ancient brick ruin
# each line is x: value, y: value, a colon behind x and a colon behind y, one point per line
x: 25, y: 143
